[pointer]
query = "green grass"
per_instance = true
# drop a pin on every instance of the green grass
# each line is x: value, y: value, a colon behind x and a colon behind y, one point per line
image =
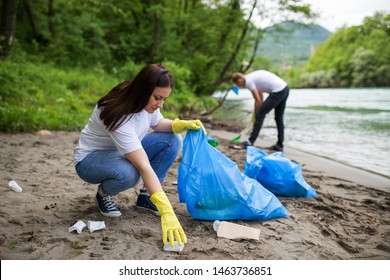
x: 40, y: 96
x: 35, y: 96
x: 12, y: 245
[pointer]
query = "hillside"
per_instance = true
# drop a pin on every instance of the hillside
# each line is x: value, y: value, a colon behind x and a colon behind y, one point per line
x: 290, y: 44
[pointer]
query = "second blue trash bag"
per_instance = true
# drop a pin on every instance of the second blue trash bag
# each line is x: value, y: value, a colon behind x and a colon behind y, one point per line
x: 281, y: 176
x: 213, y: 187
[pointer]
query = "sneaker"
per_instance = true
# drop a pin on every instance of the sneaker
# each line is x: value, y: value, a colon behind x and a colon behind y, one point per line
x: 107, y: 206
x: 144, y: 202
x: 276, y: 147
x: 246, y: 144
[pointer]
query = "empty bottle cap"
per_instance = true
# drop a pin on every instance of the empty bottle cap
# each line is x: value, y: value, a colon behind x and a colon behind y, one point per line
x: 216, y: 225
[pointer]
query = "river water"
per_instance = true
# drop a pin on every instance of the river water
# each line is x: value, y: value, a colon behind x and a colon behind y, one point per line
x: 351, y: 126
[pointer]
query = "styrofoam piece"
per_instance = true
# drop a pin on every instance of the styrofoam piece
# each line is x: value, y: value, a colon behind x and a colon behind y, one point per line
x: 235, y: 231
x: 14, y: 186
x: 176, y: 247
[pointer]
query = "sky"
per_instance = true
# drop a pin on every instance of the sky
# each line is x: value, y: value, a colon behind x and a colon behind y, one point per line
x: 336, y: 13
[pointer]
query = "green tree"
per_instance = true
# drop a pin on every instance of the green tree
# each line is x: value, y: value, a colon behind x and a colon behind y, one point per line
x: 363, y: 67
x: 211, y: 39
x: 356, y: 56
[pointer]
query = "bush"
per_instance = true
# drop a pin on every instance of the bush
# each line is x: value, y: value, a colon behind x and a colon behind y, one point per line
x: 38, y: 95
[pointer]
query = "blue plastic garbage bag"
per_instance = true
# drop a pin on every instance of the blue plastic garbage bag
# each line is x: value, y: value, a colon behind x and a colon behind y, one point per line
x: 281, y: 176
x: 213, y: 187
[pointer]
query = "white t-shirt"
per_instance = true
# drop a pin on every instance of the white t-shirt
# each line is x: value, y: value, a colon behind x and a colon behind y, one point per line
x: 125, y: 139
x: 264, y: 81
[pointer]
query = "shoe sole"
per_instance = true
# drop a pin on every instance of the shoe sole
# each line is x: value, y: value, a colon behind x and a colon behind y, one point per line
x: 148, y: 210
x: 272, y: 148
x: 112, y: 215
x: 237, y: 147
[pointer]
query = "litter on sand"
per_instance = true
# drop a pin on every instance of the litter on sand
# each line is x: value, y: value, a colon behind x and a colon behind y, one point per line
x: 96, y: 225
x: 236, y: 147
x: 176, y: 247
x: 92, y: 226
x: 236, y: 139
x: 212, y: 141
x: 235, y: 231
x: 79, y: 226
x: 14, y: 186
x: 43, y: 132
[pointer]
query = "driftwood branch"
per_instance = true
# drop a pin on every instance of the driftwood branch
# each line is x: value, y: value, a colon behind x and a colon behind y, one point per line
x: 219, y: 105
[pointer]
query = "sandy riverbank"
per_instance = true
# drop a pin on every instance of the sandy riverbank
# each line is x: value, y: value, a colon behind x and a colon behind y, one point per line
x: 350, y: 219
x: 322, y: 165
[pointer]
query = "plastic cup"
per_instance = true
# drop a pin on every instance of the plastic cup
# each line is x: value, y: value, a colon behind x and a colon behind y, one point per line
x: 79, y: 226
x: 96, y: 225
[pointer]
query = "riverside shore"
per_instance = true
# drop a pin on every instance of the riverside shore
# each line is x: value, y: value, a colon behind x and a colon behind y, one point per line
x: 349, y: 219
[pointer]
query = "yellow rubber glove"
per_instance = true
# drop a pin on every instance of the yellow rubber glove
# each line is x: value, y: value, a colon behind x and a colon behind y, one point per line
x: 179, y: 126
x: 171, y: 228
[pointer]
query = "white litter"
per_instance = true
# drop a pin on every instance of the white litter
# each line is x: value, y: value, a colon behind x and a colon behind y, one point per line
x: 235, y: 231
x: 176, y: 247
x: 14, y: 186
x: 79, y: 226
x: 96, y: 225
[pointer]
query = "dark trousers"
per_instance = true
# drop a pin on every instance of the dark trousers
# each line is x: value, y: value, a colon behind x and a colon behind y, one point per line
x: 277, y: 101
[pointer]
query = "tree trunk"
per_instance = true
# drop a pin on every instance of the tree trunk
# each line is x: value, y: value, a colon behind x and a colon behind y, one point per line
x: 31, y: 17
x: 7, y: 26
x: 50, y: 14
x: 180, y: 26
x: 36, y: 34
x: 259, y: 36
x: 230, y: 22
x: 222, y: 75
x: 219, y: 105
x: 156, y: 38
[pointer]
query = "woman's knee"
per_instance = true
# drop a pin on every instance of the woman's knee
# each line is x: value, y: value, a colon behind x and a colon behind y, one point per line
x: 114, y: 186
x: 177, y: 140
x: 174, y: 141
x: 177, y: 143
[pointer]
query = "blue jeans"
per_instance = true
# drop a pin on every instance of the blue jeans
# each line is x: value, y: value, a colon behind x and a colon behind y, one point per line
x: 115, y: 173
x: 277, y: 101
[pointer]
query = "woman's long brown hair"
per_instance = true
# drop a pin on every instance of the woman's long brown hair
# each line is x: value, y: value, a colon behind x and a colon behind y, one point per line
x: 130, y: 97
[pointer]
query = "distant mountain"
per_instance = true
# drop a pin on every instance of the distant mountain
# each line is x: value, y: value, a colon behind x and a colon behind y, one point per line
x: 290, y: 44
